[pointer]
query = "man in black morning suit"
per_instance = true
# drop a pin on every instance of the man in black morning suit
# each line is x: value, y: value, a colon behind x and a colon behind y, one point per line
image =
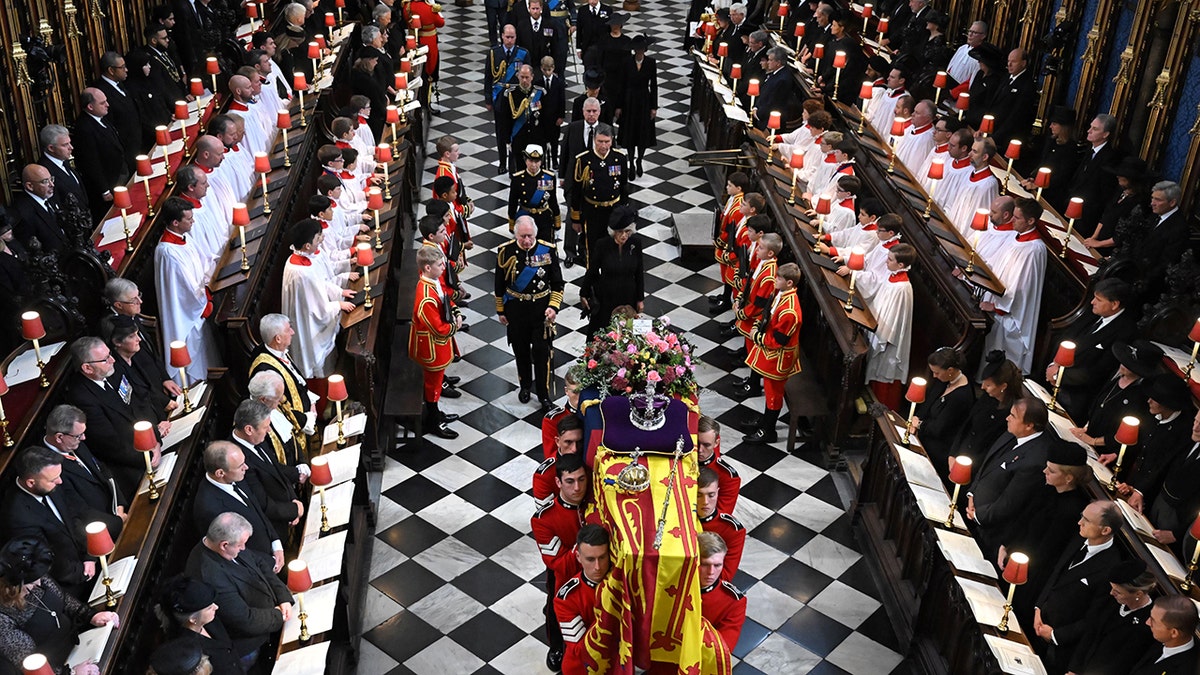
x: 1015, y: 104
x: 221, y: 490
x: 37, y: 210
x: 85, y: 481
x: 777, y: 91
x: 1173, y: 622
x: 273, y: 483
x: 1010, y: 473
x: 1091, y: 182
x: 124, y: 298
x: 1080, y: 576
x: 99, y: 152
x: 1163, y: 241
x: 56, y: 157
x: 1110, y: 322
x: 1117, y: 633
x: 34, y: 507
x: 542, y: 35
x: 252, y: 603
x: 111, y: 413
x: 123, y: 113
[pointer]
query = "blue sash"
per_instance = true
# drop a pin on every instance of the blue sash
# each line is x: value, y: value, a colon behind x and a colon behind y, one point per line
x: 528, y: 272
x: 519, y: 123
x: 519, y: 57
x: 554, y: 5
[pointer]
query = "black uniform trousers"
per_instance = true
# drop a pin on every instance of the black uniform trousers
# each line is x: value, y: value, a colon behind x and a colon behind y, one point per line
x: 527, y: 335
x: 595, y: 227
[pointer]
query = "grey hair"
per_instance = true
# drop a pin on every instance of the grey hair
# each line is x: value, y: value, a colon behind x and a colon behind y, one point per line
x: 63, y: 418
x: 778, y: 53
x: 1170, y: 189
x: 81, y: 349
x: 117, y: 288
x: 379, y: 12
x: 228, y: 526
x: 50, y: 134
x: 271, y: 325
x: 369, y: 33
x: 295, y: 12
x: 1109, y: 122
x: 250, y: 413
x: 264, y: 384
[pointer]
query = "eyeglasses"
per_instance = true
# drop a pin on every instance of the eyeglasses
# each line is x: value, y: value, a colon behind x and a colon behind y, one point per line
x: 103, y: 360
x: 976, y: 32
x: 79, y: 436
x: 45, y: 181
x: 132, y: 301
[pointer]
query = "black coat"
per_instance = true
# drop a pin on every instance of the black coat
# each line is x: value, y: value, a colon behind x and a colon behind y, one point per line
x: 607, y: 106
x: 641, y: 96
x: 1062, y: 159
x: 1015, y: 106
x: 616, y: 277
x: 777, y: 92
x: 1070, y: 591
x: 983, y: 425
x: 1093, y: 184
x: 1160, y: 445
x: 365, y: 83
x: 33, y: 220
x: 147, y: 389
x: 1179, y: 664
x: 248, y: 593
x: 218, y: 646
x: 550, y: 40
x: 1110, y: 405
x: 591, y: 27
x: 93, y: 490
x: 273, y: 483
x: 942, y: 416
x: 110, y: 430
x: 1007, y: 479
x: 1112, y: 643
x: 21, y: 515
x: 65, y: 182
x: 124, y: 114
x: 1047, y: 524
x: 1094, y: 359
x: 100, y: 158
x: 983, y: 90
x: 211, y: 501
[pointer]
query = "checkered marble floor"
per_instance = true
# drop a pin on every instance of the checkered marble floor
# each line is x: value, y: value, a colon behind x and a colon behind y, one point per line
x: 457, y: 583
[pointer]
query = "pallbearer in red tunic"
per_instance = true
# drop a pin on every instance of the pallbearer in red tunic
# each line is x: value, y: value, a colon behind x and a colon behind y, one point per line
x: 568, y: 439
x: 556, y: 525
x: 708, y: 451
x: 721, y: 603
x: 724, y: 236
x: 756, y: 297
x: 775, y: 353
x: 555, y: 415
x: 575, y: 602
x: 891, y: 341
x: 431, y: 336
x: 723, y: 524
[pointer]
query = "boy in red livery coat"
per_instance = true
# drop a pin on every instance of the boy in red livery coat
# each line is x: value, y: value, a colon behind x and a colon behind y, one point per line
x: 448, y: 153
x: 555, y: 525
x: 775, y: 353
x: 724, y: 233
x: 575, y: 602
x: 708, y: 450
x: 721, y: 603
x: 722, y: 524
x: 567, y: 439
x: 431, y: 336
x: 756, y: 297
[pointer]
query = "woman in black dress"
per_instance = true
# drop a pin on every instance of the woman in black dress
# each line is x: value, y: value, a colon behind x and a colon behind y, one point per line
x: 188, y: 611
x: 934, y: 55
x: 1060, y: 154
x: 1123, y: 395
x: 1002, y: 383
x: 617, y: 276
x: 123, y: 338
x: 612, y: 54
x: 640, y: 109
x: 947, y: 403
x: 363, y: 81
x: 14, y: 284
x: 1135, y: 182
x: 1116, y: 634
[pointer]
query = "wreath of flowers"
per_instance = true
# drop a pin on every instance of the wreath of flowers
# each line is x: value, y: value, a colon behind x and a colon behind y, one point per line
x: 621, y: 360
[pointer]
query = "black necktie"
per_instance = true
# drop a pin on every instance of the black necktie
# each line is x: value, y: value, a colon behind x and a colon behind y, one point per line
x: 1079, y: 556
x: 49, y: 506
x: 508, y: 55
x: 536, y: 24
x: 590, y: 130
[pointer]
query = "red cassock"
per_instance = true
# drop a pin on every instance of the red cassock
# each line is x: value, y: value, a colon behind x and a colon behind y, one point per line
x: 730, y: 216
x: 431, y: 335
x: 575, y: 609
x: 732, y: 531
x: 728, y: 481
x: 427, y: 34
x: 725, y: 608
x: 555, y: 525
x: 758, y: 299
x: 775, y: 353
x: 550, y: 429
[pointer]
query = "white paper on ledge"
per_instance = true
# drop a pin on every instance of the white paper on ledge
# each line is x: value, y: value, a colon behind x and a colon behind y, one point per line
x: 935, y: 505
x: 1169, y: 563
x: 338, y: 502
x: 352, y: 426
x: 1138, y: 521
x: 195, y: 393
x: 121, y: 572
x: 112, y: 230
x: 319, y: 605
x: 1015, y: 657
x: 24, y: 368
x: 162, y: 473
x: 310, y: 660
x: 343, y: 464
x: 918, y: 469
x: 987, y: 603
x: 324, y: 556
x: 964, y: 553
x: 91, y: 645
x: 182, y: 428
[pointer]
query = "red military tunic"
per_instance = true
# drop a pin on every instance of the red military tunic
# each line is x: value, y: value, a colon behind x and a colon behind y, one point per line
x: 575, y: 609
x: 550, y: 429
x: 775, y: 353
x: 728, y: 481
x: 725, y: 608
x: 727, y: 227
x: 733, y: 532
x: 555, y: 525
x: 462, y: 205
x: 755, y: 300
x: 431, y: 335
x: 431, y: 20
x: 544, y: 483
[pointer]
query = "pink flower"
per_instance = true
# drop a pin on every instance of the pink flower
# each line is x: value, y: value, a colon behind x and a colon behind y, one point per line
x: 666, y: 321
x: 680, y: 370
x: 632, y: 349
x: 651, y: 336
x: 653, y: 376
x: 612, y: 334
x: 620, y: 372
x: 592, y: 363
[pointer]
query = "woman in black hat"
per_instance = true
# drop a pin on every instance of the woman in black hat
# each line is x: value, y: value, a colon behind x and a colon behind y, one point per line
x: 1002, y: 385
x: 1116, y: 634
x: 640, y: 108
x: 848, y: 84
x: 188, y: 611
x: 613, y: 57
x: 149, y: 398
x: 949, y: 400
x: 1124, y: 395
x: 617, y: 276
x: 14, y: 284
x: 36, y: 615
x: 934, y: 55
x: 1060, y: 154
x: 1135, y: 182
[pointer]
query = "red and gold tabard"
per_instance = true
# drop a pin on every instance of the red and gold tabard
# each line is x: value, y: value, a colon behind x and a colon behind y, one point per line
x: 756, y: 299
x: 776, y: 350
x: 727, y: 225
x: 431, y: 335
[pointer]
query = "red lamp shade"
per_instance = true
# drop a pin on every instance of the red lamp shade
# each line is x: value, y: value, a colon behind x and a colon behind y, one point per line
x: 856, y: 261
x: 31, y: 326
x: 735, y: 71
x: 299, y: 82
x: 251, y: 11
x: 799, y: 30
x: 410, y: 42
x: 196, y: 87
x: 339, y: 3
x: 36, y: 664
x: 401, y: 81
x: 1014, y: 150
x: 775, y: 121
x: 415, y: 23
x: 393, y: 114
x: 321, y: 43
x: 916, y: 390
x: 383, y: 153
x: 1075, y: 208
x: 374, y: 199
x: 818, y: 51
x: 181, y: 110
x: 99, y: 541
x: 299, y: 580
x: 963, y: 102
x: 330, y: 20
x: 143, y: 436
x: 3, y: 386
x: 314, y: 50
x: 180, y: 358
x: 262, y: 162
x: 960, y: 471
x: 162, y: 135
x: 1017, y: 570
x: 839, y: 59
x: 797, y: 160
x: 365, y: 257
x: 321, y: 475
x: 939, y: 80
x: 405, y: 65
x: 1127, y: 433
x: 988, y: 124
x: 867, y: 91
x: 897, y: 126
x: 883, y: 25
x: 1194, y: 530
x: 723, y: 49
x: 868, y: 10
x: 824, y: 205
x: 937, y: 169
x: 283, y: 120
x: 1065, y: 356
x: 337, y: 388
x: 211, y: 66
x: 241, y: 216
x: 752, y: 88
x: 710, y: 29
x: 979, y: 222
x: 1042, y: 179
x: 1194, y: 335
x: 783, y: 9
x: 121, y: 198
x: 144, y: 168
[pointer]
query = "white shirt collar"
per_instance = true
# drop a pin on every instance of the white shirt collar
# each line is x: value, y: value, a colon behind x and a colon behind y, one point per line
x: 1167, y: 420
x: 115, y: 85
x: 41, y: 201
x: 1163, y: 218
x: 56, y: 162
x: 1093, y: 550
x: 225, y: 487
x: 1172, y: 651
x: 1109, y: 319
x: 1030, y: 437
x: 99, y: 120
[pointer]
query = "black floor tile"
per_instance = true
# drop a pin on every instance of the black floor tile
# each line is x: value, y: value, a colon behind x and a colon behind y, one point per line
x: 783, y: 534
x: 488, y: 419
x: 412, y: 535
x: 753, y: 633
x: 418, y: 454
x: 878, y: 627
x: 416, y: 493
x: 487, y: 635
x: 488, y: 357
x: 407, y: 583
x: 487, y: 583
x: 797, y: 580
x: 487, y: 387
x: 767, y: 490
x: 827, y: 668
x: 488, y: 454
x: 814, y: 631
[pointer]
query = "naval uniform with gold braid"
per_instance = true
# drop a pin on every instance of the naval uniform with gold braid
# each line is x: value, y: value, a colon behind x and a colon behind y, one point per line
x: 527, y: 282
x: 518, y: 122
x: 535, y: 194
x: 599, y: 185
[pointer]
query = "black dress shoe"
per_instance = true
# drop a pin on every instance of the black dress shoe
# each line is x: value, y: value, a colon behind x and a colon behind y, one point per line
x: 744, y: 390
x: 715, y: 299
x: 450, y: 392
x: 752, y: 423
x: 448, y: 417
x: 442, y: 431
x: 456, y: 359
x: 554, y: 659
x: 523, y: 395
x: 718, y: 307
x: 745, y: 381
x: 761, y: 436
x: 569, y: 261
x: 465, y: 328
x: 544, y: 402
x: 451, y: 379
x: 729, y: 331
x: 741, y: 352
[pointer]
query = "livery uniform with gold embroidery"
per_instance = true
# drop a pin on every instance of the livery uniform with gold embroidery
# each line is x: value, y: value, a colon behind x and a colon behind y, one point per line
x: 775, y: 352
x: 733, y: 533
x: 726, y: 236
x: 528, y: 282
x: 575, y: 609
x: 518, y: 119
x: 599, y: 184
x: 535, y: 194
x: 431, y: 335
x: 755, y: 298
x: 463, y: 206
x: 725, y: 608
